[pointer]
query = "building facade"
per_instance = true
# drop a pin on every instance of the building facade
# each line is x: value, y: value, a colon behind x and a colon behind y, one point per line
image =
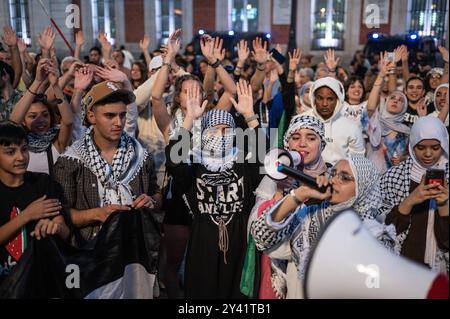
x: 342, y: 24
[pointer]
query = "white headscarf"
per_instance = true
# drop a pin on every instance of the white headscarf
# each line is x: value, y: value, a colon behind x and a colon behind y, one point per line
x: 436, y: 111
x: 427, y: 128
x: 393, y: 122
x: 335, y: 85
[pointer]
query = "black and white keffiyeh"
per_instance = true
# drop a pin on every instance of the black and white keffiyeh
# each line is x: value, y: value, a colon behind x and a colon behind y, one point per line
x: 217, y: 151
x: 396, y: 183
x: 38, y: 143
x: 113, y: 179
x: 305, y: 121
x: 303, y: 227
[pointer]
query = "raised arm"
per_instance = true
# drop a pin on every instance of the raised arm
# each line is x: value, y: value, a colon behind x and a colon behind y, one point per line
x: 261, y: 55
x: 332, y: 62
x: 79, y: 41
x: 66, y: 126
x: 385, y: 67
x: 444, y: 53
x: 24, y: 59
x: 21, y: 108
x: 10, y: 39
x: 162, y: 117
x: 46, y: 40
x: 143, y: 44
x: 106, y: 46
x: 245, y: 104
x: 243, y: 53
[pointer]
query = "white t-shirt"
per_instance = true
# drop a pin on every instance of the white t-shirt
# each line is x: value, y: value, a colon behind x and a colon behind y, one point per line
x: 39, y: 163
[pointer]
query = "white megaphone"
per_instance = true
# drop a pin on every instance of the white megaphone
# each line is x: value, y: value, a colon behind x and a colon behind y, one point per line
x: 348, y: 262
x: 278, y: 156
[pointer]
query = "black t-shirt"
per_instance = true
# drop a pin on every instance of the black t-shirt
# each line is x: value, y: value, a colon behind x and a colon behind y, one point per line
x: 411, y: 114
x: 35, y: 186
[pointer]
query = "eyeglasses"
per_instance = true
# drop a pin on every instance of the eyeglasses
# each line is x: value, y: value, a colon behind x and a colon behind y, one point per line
x: 342, y: 177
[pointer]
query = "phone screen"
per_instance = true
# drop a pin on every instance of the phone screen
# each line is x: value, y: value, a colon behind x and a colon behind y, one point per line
x: 435, y: 176
x: 278, y: 56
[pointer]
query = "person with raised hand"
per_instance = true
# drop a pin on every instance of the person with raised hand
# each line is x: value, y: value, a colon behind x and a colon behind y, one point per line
x: 218, y: 190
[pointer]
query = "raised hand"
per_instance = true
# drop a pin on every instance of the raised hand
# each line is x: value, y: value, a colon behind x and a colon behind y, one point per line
x: 42, y: 69
x: 110, y: 74
x: 9, y: 36
x: 175, y: 35
x: 219, y: 53
x: 385, y: 66
x: 172, y: 49
x: 207, y: 48
x: 53, y: 73
x: 444, y: 53
x: 294, y: 59
x: 83, y: 77
x: 243, y: 51
x: 46, y: 38
x: 422, y: 107
x: 21, y: 45
x: 144, y: 43
x: 245, y: 97
x: 260, y: 53
x: 79, y: 38
x: 194, y: 106
x: 330, y: 60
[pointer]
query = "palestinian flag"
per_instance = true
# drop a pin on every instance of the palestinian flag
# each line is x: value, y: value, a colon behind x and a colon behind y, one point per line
x: 121, y: 262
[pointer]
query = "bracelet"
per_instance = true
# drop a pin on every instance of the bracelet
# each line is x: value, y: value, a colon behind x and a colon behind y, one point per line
x: 251, y: 118
x: 294, y: 197
x: 238, y: 68
x: 168, y: 65
x: 263, y: 67
x: 216, y: 64
x: 332, y: 70
x: 32, y: 92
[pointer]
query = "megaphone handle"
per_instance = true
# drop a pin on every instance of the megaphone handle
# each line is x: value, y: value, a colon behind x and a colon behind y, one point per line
x: 309, y: 180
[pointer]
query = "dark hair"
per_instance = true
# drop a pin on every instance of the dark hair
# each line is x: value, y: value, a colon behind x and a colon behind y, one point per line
x: 144, y: 71
x: 122, y: 47
x: 6, y: 68
x: 412, y: 79
x: 96, y: 49
x: 11, y: 133
x: 52, y: 107
x: 121, y: 53
x: 427, y: 82
x: 178, y: 86
x: 350, y: 81
x: 180, y: 61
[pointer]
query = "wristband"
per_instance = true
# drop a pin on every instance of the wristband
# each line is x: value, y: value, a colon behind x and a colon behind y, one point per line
x: 215, y: 64
x: 251, y: 118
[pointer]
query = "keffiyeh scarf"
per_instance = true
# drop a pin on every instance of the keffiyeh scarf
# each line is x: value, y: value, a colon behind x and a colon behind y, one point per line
x: 39, y: 143
x: 113, y: 179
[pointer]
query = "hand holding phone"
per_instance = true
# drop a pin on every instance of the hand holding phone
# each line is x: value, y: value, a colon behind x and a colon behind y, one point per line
x: 435, y: 176
x: 277, y: 56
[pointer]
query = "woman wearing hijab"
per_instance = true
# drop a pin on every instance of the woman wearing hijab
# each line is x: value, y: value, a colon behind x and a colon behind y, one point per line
x: 419, y: 211
x: 354, y: 184
x: 388, y: 135
x: 441, y: 103
x: 218, y: 192
x: 305, y: 135
x: 303, y: 96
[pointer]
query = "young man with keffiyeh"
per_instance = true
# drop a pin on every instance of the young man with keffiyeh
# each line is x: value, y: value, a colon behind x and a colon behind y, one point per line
x: 107, y: 170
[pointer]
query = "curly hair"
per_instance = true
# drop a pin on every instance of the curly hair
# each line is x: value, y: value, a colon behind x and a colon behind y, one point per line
x: 178, y: 86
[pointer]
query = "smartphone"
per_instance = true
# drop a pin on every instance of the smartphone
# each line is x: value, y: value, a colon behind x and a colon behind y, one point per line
x: 435, y: 176
x: 277, y: 56
x: 390, y: 56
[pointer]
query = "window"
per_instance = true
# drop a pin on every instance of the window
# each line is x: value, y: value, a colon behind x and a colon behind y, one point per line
x: 169, y: 14
x: 18, y: 11
x: 328, y: 24
x: 103, y: 18
x: 244, y: 15
x: 427, y: 17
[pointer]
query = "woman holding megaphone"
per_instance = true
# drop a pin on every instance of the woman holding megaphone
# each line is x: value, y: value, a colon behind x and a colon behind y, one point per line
x: 353, y: 183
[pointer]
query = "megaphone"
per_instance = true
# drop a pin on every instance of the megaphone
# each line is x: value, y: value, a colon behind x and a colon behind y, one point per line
x: 278, y: 156
x: 348, y: 262
x: 279, y: 164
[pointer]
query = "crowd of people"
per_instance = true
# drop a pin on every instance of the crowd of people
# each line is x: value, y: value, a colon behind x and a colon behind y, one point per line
x: 85, y: 137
